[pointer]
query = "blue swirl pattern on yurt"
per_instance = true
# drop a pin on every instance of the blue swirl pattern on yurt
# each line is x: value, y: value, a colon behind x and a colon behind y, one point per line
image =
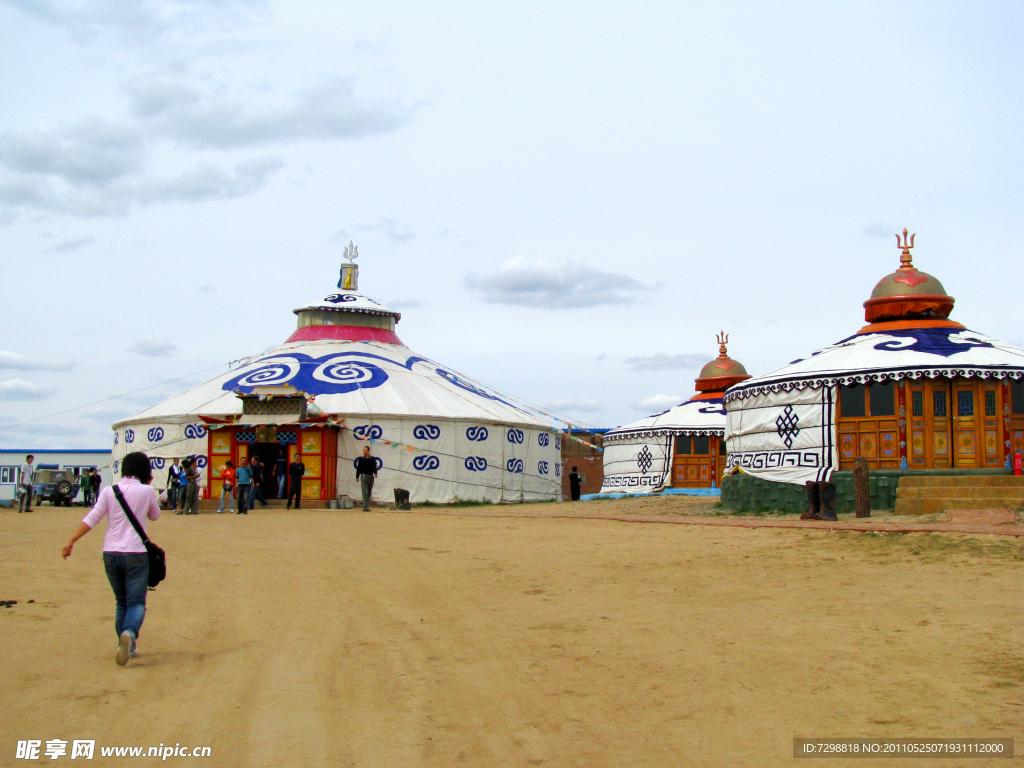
x: 426, y: 463
x: 426, y: 432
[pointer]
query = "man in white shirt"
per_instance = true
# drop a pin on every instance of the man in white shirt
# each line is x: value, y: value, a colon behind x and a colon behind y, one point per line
x: 28, y: 469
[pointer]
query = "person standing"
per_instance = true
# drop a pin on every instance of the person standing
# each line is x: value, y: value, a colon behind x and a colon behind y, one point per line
x: 190, y: 506
x: 124, y: 553
x: 256, y: 465
x: 575, y: 480
x: 366, y: 473
x: 28, y: 471
x: 85, y: 482
x: 173, y: 484
x: 295, y: 472
x: 94, y: 484
x: 182, y: 488
x: 244, y: 474
x: 281, y: 473
x: 227, y: 472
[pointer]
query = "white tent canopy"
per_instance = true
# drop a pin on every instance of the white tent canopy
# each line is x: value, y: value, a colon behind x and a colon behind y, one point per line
x: 780, y: 426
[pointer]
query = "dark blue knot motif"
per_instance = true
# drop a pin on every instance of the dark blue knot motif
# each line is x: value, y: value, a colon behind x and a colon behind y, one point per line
x: 516, y: 436
x: 155, y: 434
x: 333, y: 375
x: 644, y: 460
x: 558, y: 470
x: 476, y: 463
x: 426, y: 432
x: 786, y: 426
x: 514, y: 465
x: 543, y: 439
x: 368, y: 432
x: 129, y: 435
x: 426, y: 463
x: 542, y: 467
x: 476, y: 434
x: 156, y: 463
x: 340, y: 298
x: 195, y: 431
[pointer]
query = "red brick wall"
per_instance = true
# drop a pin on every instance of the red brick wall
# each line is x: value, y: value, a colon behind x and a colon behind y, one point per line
x: 591, y: 466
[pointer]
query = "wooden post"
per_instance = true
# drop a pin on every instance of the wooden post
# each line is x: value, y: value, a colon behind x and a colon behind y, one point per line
x: 861, y: 487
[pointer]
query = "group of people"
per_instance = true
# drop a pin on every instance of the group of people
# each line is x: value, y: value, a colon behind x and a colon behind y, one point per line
x: 89, y: 482
x: 243, y: 483
x: 183, y: 478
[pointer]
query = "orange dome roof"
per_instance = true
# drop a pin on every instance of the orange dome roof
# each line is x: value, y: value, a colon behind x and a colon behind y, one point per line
x: 907, y: 292
x: 722, y: 372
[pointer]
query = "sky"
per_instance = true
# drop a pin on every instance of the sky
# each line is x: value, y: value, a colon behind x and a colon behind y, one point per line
x: 566, y: 200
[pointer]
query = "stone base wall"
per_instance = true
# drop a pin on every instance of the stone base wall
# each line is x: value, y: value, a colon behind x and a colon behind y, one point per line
x: 745, y: 492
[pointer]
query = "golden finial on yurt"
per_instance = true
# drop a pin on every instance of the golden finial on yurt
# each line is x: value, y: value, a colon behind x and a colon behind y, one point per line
x: 905, y: 257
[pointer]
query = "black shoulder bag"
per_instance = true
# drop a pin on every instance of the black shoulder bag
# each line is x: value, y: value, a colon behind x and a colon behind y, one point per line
x: 157, y: 558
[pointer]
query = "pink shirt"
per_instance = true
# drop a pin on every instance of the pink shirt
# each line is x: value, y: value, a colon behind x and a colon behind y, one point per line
x: 120, y: 536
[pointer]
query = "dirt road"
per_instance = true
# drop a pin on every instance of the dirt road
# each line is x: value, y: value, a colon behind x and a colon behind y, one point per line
x: 393, y: 640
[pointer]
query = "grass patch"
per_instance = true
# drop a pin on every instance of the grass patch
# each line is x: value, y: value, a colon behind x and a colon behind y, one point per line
x: 932, y: 547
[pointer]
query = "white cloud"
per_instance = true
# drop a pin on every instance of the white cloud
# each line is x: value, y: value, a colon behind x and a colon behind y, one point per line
x: 70, y: 245
x: 574, y: 406
x: 530, y: 283
x: 658, y: 403
x: 392, y: 230
x: 404, y: 304
x: 18, y: 389
x: 101, y: 166
x: 15, y: 362
x: 663, y: 362
x: 154, y: 348
x: 879, y: 229
x: 139, y: 21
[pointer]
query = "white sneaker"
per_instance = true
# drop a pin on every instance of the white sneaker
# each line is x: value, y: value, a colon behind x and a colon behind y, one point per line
x: 124, y: 648
x: 134, y: 651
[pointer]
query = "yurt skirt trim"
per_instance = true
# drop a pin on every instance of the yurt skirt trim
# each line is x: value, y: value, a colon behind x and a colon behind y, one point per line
x: 666, y: 431
x: 815, y: 381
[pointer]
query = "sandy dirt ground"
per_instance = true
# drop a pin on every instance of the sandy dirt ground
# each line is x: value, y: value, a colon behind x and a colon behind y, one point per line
x: 389, y: 639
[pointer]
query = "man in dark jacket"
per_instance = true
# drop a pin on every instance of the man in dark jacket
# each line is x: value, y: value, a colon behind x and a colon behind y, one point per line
x: 295, y: 472
x: 575, y: 480
x: 366, y: 472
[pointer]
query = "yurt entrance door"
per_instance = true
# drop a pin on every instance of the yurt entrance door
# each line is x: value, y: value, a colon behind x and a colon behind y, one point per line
x: 693, y: 465
x: 955, y: 424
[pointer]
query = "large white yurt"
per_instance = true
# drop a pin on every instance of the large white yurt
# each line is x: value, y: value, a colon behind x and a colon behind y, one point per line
x: 910, y: 390
x: 678, y: 448
x: 344, y: 380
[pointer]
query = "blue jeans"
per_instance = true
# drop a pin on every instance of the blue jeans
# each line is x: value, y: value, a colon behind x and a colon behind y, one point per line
x: 280, y: 486
x: 257, y: 493
x: 128, y: 573
x: 226, y: 491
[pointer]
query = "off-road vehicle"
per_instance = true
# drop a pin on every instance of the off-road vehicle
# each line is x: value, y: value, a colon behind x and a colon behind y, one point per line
x: 58, y: 486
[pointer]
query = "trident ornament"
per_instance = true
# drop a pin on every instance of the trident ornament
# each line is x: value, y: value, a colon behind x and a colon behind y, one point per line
x: 352, y: 251
x: 723, y: 339
x: 905, y: 257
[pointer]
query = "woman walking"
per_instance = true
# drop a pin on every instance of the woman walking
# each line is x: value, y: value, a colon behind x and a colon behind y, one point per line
x: 124, y: 554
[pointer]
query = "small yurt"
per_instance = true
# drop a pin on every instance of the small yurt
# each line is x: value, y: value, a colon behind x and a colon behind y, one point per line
x: 682, y: 447
x: 911, y: 390
x: 344, y: 380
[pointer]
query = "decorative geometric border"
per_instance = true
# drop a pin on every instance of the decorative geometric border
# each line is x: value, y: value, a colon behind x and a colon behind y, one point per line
x: 773, y: 459
x: 612, y: 436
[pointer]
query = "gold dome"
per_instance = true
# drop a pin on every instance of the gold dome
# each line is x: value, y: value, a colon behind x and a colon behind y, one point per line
x: 907, y: 292
x: 722, y: 372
